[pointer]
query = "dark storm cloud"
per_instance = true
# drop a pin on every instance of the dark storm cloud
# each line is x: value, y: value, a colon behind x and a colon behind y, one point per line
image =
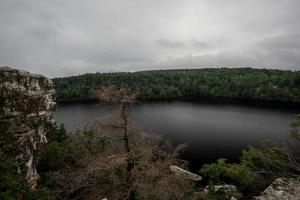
x: 65, y: 37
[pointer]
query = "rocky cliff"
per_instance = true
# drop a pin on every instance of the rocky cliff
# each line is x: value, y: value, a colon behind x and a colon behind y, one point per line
x: 26, y: 107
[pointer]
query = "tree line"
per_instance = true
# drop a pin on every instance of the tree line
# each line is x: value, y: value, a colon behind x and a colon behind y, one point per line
x: 228, y: 83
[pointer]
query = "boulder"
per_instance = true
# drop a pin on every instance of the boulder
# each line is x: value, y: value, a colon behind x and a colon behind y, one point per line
x: 26, y: 107
x: 282, y: 188
x: 184, y: 173
x: 230, y: 191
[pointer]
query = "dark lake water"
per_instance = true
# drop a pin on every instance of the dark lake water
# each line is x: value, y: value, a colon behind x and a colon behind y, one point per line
x: 211, y: 130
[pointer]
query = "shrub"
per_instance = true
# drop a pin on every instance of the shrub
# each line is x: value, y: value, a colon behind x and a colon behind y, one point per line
x: 258, y: 167
x: 13, y: 186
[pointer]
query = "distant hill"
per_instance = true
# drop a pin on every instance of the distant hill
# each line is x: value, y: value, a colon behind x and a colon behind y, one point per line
x: 230, y: 83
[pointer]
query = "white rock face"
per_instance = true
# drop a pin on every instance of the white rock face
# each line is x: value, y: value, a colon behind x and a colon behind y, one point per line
x: 27, y: 104
x: 282, y: 189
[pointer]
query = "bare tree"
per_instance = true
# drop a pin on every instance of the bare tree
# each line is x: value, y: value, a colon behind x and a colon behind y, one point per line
x: 124, y: 98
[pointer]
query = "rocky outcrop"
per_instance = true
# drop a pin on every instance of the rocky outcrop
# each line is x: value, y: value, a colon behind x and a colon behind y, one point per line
x: 27, y: 104
x: 184, y: 173
x: 282, y: 188
x: 229, y: 191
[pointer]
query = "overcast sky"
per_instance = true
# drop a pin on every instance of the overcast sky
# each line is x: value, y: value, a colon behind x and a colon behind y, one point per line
x: 69, y: 37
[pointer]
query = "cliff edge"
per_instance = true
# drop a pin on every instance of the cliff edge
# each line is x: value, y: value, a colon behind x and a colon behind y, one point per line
x: 26, y: 108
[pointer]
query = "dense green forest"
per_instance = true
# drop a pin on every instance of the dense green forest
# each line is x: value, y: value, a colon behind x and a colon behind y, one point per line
x: 231, y: 83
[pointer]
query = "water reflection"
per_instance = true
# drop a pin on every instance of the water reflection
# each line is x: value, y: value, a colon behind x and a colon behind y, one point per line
x: 210, y: 130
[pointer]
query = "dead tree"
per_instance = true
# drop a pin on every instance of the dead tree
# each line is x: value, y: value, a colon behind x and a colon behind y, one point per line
x: 124, y: 99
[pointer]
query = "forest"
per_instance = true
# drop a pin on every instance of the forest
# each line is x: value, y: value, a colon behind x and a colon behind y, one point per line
x: 227, y: 83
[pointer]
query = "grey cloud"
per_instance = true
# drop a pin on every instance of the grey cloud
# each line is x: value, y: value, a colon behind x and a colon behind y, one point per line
x: 282, y: 41
x: 171, y: 44
x: 256, y: 59
x: 200, y: 44
x: 176, y: 44
x: 67, y: 37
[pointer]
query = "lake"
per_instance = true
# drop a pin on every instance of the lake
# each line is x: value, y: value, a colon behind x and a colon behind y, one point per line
x: 211, y: 130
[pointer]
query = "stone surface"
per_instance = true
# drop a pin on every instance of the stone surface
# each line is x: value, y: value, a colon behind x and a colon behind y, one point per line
x: 282, y: 188
x: 230, y: 191
x: 27, y: 104
x: 184, y: 173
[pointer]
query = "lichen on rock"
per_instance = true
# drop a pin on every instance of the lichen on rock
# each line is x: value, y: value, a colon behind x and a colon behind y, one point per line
x: 26, y: 108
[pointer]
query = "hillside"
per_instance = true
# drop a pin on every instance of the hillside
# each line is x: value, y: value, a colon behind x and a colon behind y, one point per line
x: 231, y: 83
